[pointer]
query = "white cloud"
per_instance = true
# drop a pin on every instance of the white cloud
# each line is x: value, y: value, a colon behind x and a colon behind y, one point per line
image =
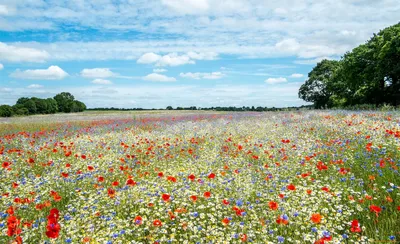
x: 203, y: 56
x: 276, y: 80
x: 148, y: 58
x: 97, y: 73
x: 5, y: 89
x: 34, y: 86
x: 22, y: 54
x: 171, y: 59
x: 101, y: 82
x: 296, y: 75
x: 197, y: 75
x: 1, y: 66
x: 51, y: 73
x: 4, y: 10
x: 187, y: 6
x: 159, y: 70
x: 158, y: 77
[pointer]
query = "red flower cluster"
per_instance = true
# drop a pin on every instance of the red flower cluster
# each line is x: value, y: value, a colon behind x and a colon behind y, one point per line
x: 355, y: 226
x: 53, y: 227
x: 12, y: 226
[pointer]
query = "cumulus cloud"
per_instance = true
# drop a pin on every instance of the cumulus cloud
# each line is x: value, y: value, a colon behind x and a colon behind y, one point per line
x: 159, y: 78
x: 101, y: 82
x: 171, y: 59
x: 159, y: 70
x: 13, y: 53
x: 51, y: 73
x: 97, y: 73
x: 198, y: 76
x: 174, y: 59
x: 296, y: 75
x: 292, y: 47
x: 34, y: 86
x: 148, y: 58
x: 1, y: 66
x: 276, y: 80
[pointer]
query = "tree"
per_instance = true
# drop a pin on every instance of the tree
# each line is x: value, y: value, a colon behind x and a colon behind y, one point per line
x: 30, y: 105
x: 19, y: 109
x: 41, y: 105
x: 52, y: 106
x: 65, y: 101
x: 318, y: 87
x: 169, y: 108
x: 6, y: 111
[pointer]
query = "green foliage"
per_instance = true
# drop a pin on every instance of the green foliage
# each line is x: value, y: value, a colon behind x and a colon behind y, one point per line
x: 370, y: 73
x: 6, y: 111
x: 317, y: 88
x: 63, y: 102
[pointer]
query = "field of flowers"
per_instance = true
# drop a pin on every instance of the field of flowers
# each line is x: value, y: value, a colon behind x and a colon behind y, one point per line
x: 283, y: 177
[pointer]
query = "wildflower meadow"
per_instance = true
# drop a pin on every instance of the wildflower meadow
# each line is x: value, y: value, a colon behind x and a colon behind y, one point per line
x: 207, y: 177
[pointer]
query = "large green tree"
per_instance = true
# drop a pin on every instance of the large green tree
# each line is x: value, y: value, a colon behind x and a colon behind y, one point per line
x: 318, y: 87
x: 369, y: 74
x: 65, y: 101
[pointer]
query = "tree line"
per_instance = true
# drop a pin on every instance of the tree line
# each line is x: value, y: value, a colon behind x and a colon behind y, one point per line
x: 230, y: 108
x: 369, y: 74
x: 62, y: 102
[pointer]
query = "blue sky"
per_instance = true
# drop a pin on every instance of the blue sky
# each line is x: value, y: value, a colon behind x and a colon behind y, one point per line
x: 155, y: 53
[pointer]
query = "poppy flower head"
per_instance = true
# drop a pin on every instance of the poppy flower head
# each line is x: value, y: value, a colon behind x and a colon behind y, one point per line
x: 316, y: 218
x: 166, y: 197
x: 273, y: 205
x: 291, y: 187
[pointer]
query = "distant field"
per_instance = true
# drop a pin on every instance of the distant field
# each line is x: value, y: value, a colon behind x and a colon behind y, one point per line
x: 200, y: 177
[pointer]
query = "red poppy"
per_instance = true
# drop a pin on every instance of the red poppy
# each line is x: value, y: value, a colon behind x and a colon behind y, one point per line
x: 355, y: 226
x: 291, y: 187
x: 225, y: 221
x: 207, y: 194
x: 243, y: 237
x: 160, y: 174
x: 375, y: 209
x: 53, y: 230
x: 326, y: 189
x: 115, y: 183
x: 193, y: 198
x: 138, y: 220
x: 157, y: 222
x: 166, y: 197
x: 65, y: 175
x: 316, y: 218
x: 111, y: 192
x: 273, y: 205
x: 282, y: 221
x: 6, y: 164
x: 130, y: 182
x: 211, y: 176
x: 192, y: 177
x: 321, y: 166
x: 90, y: 167
x: 100, y: 179
x: 225, y: 202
